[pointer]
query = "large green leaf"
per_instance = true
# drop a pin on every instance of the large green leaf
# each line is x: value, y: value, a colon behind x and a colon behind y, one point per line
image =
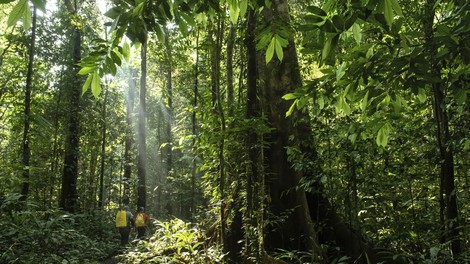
x: 383, y: 135
x: 126, y: 51
x: 17, y: 12
x: 278, y: 48
x: 234, y: 10
x: 316, y: 10
x: 86, y: 70
x: 87, y: 83
x: 270, y: 50
x: 96, y: 84
x: 396, y: 7
x: 388, y: 12
x: 27, y: 18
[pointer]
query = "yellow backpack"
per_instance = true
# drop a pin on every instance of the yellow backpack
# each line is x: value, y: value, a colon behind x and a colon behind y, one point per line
x: 139, y: 220
x: 121, y: 218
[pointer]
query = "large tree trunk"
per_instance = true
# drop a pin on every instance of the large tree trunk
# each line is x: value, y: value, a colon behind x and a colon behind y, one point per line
x: 68, y: 199
x: 142, y: 155
x: 27, y: 110
x: 296, y: 231
x: 448, y: 192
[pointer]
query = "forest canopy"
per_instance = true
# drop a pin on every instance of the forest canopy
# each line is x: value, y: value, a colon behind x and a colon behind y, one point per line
x: 275, y: 131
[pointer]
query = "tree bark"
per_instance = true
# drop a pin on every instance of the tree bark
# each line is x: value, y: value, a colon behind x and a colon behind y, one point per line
x: 296, y: 231
x: 168, y: 95
x: 193, y: 130
x: 230, y: 92
x: 27, y: 110
x: 68, y: 199
x: 142, y: 155
x: 444, y: 143
x: 103, y: 149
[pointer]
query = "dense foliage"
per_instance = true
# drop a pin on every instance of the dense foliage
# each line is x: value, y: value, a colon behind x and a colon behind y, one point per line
x: 326, y: 132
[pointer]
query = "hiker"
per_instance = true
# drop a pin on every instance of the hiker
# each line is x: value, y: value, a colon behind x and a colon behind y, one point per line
x: 141, y: 219
x: 124, y: 223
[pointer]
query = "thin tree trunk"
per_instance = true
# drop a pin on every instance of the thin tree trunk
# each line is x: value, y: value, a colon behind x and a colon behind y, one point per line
x: 68, y: 199
x: 193, y: 130
x: 443, y: 137
x: 27, y: 110
x: 218, y: 109
x: 103, y: 149
x: 230, y: 92
x: 169, y: 103
x: 142, y: 155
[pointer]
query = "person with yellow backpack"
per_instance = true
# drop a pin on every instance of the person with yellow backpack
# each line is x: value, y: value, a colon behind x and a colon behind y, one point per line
x: 141, y: 219
x: 124, y: 223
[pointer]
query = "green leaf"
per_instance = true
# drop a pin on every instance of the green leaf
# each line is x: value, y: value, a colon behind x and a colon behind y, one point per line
x: 96, y: 84
x: 388, y: 12
x: 326, y: 49
x: 40, y: 4
x: 316, y: 10
x: 343, y: 106
x: 116, y: 57
x: 126, y: 51
x: 86, y: 70
x: 396, y: 7
x: 113, y: 13
x: 234, y: 11
x: 17, y: 12
x: 321, y: 102
x: 243, y: 7
x: 138, y: 9
x: 467, y: 145
x: 292, y: 107
x: 383, y: 135
x: 6, y: 1
x: 365, y: 101
x: 290, y: 96
x: 340, y: 72
x: 422, y: 95
x: 356, y: 28
x: 270, y: 50
x: 27, y: 19
x: 278, y: 47
x: 87, y: 83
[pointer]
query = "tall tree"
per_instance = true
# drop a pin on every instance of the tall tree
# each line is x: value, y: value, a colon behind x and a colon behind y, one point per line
x: 141, y: 136
x: 444, y: 141
x: 103, y: 147
x: 68, y: 199
x: 280, y: 78
x: 27, y: 109
x: 168, y: 98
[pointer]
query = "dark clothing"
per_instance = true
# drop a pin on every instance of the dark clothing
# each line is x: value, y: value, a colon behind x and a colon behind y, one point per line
x: 124, y: 232
x: 141, y: 232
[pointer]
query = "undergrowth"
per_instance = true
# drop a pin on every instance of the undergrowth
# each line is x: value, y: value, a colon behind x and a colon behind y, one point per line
x: 174, y: 242
x: 31, y: 235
